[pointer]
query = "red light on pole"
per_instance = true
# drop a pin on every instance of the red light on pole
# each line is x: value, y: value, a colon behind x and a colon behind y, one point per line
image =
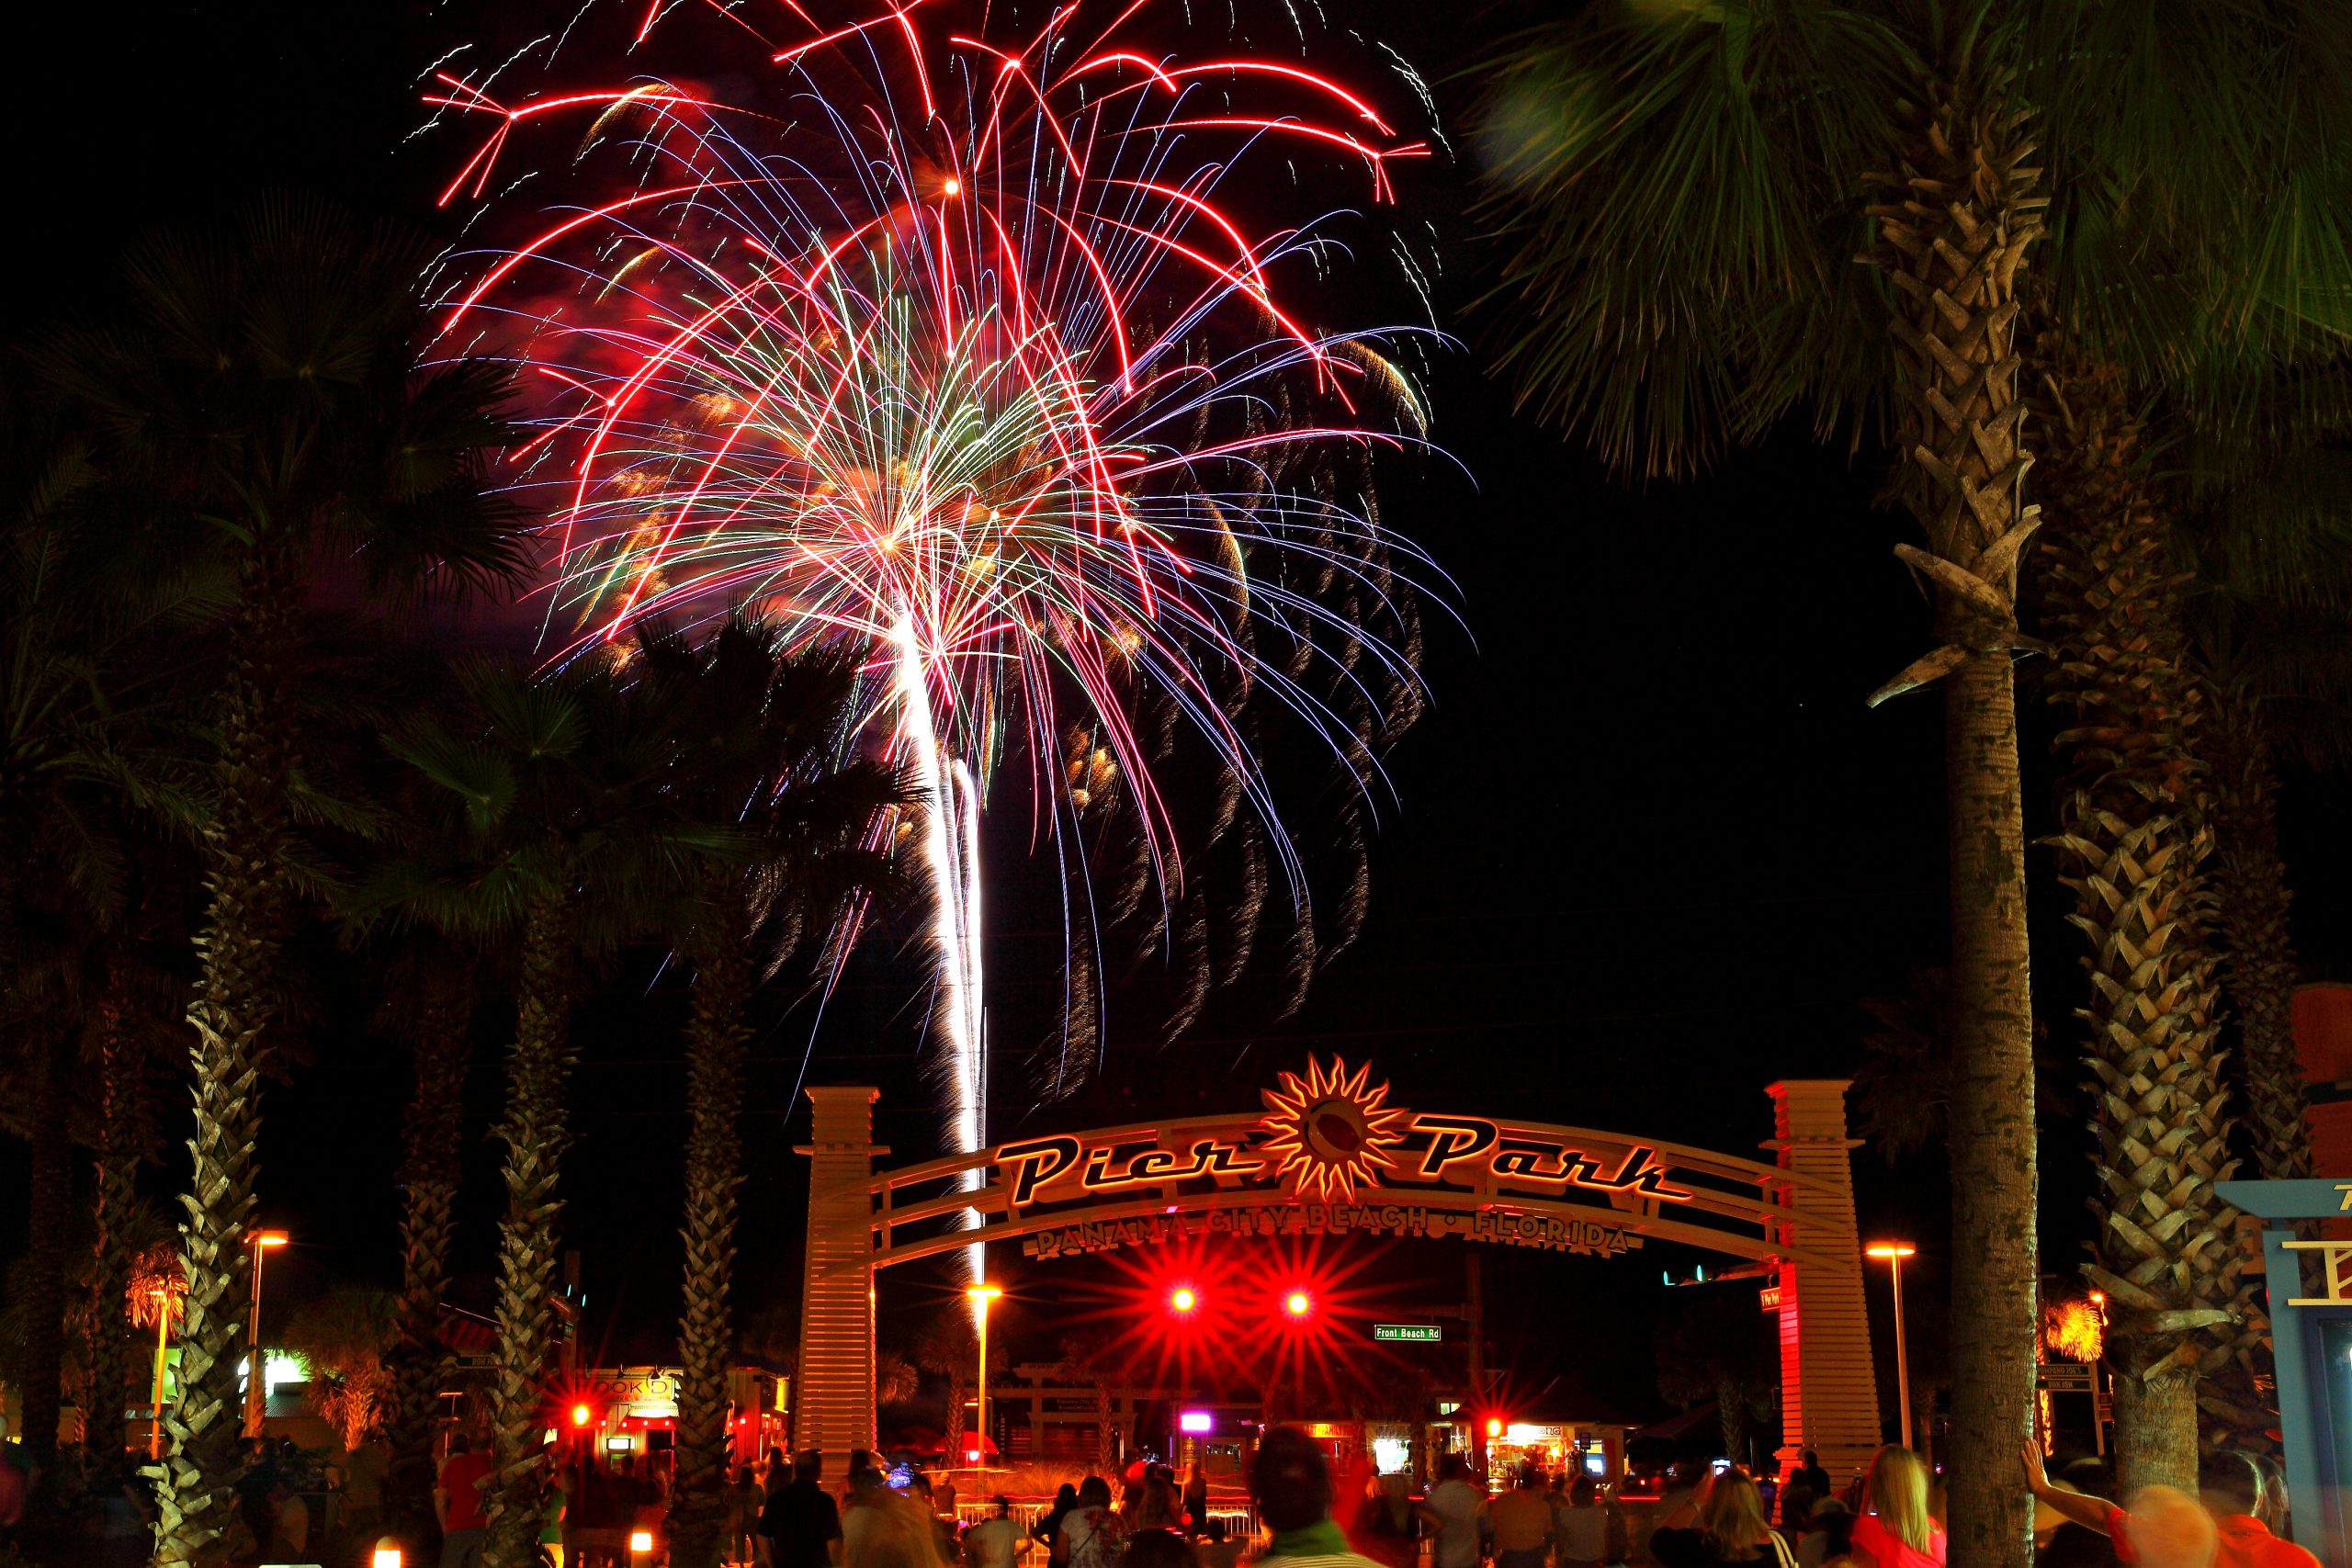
x: 1299, y: 1303
x: 1182, y: 1298
x: 580, y: 1414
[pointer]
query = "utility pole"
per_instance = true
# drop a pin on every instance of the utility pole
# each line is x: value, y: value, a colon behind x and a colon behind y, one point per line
x: 1475, y: 1310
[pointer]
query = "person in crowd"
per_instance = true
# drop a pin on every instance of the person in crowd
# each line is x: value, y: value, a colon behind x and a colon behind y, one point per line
x: 2274, y: 1493
x: 1091, y: 1533
x: 456, y: 1503
x: 743, y: 1499
x: 1768, y: 1484
x: 1290, y: 1482
x: 1730, y: 1531
x: 1520, y: 1520
x: 1049, y: 1528
x: 882, y: 1529
x: 2161, y: 1528
x: 944, y: 1499
x: 1828, y: 1538
x: 996, y: 1541
x: 551, y: 1516
x: 800, y: 1525
x: 17, y: 1475
x: 1682, y: 1509
x: 1797, y: 1500
x: 2230, y: 1485
x: 1452, y: 1510
x: 773, y: 1480
x: 1587, y: 1528
x: 1812, y: 1474
x: 1895, y: 1530
x: 1195, y: 1500
x: 289, y: 1538
x: 1158, y: 1548
x: 361, y: 1476
x: 1387, y: 1529
x: 1215, y: 1549
x: 860, y: 1462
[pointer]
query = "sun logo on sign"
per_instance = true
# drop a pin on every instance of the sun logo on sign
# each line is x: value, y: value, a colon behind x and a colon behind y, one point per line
x: 1329, y: 1130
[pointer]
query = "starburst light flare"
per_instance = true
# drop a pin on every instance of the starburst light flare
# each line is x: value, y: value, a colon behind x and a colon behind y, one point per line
x: 948, y: 332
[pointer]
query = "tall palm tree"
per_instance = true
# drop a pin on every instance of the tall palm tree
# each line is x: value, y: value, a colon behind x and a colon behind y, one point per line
x: 89, y: 705
x: 2184, y: 265
x: 1682, y: 189
x: 768, y: 756
x: 557, y: 840
x: 429, y: 1003
x: 261, y: 382
x: 1682, y: 184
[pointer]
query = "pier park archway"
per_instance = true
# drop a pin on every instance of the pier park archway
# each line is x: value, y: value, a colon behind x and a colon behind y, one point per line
x: 1327, y: 1153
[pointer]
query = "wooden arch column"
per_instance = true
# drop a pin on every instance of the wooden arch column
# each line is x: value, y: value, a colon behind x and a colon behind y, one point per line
x: 1828, y: 1377
x: 832, y: 1393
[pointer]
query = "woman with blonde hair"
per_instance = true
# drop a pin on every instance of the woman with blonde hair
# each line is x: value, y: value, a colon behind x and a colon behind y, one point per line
x: 1895, y: 1530
x: 1731, y: 1531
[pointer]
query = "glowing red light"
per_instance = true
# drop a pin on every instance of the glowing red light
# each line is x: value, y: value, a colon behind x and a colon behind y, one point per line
x: 1299, y: 1303
x: 1181, y: 1298
x: 580, y: 1414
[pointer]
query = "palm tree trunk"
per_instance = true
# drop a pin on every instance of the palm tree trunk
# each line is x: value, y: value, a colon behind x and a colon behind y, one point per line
x: 245, y: 849
x: 535, y: 1134
x: 955, y: 1433
x: 1956, y: 235
x: 418, y: 1365
x: 50, y: 1200
x: 2258, y: 974
x: 122, y: 1132
x: 2250, y: 902
x: 2134, y: 829
x: 715, y: 1034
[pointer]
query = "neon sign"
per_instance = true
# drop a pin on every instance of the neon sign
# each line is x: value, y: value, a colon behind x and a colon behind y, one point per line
x: 1328, y: 1133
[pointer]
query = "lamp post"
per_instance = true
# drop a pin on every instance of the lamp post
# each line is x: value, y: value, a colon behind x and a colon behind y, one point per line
x: 162, y: 1332
x: 257, y: 1383
x: 983, y: 1293
x: 1894, y: 1252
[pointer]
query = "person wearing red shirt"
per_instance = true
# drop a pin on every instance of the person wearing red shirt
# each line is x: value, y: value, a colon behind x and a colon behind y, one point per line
x: 456, y: 1502
x: 2161, y: 1529
x: 2231, y: 1489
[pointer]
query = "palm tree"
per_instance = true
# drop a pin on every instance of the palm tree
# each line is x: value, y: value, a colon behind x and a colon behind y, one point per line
x: 768, y: 758
x: 341, y: 1339
x: 1682, y: 183
x: 1681, y: 188
x: 87, y: 700
x: 557, y: 839
x: 2182, y: 273
x: 946, y: 1347
x: 1098, y: 1358
x: 261, y: 385
x: 429, y: 1003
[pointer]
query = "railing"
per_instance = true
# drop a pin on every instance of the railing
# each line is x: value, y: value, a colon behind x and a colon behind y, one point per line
x: 1241, y: 1519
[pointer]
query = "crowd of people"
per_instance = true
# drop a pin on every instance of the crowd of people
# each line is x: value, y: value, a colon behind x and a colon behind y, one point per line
x: 1890, y: 1515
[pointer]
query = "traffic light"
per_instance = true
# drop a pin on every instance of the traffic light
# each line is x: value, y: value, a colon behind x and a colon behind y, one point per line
x: 1297, y: 1304
x: 1182, y: 1300
x: 580, y: 1414
x: 1493, y: 1426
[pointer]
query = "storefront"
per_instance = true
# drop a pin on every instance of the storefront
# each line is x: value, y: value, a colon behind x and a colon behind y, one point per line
x: 623, y: 1413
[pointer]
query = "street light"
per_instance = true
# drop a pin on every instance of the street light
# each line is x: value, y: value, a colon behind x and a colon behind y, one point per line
x: 162, y: 1329
x: 1894, y: 1252
x: 983, y: 1293
x: 256, y: 1384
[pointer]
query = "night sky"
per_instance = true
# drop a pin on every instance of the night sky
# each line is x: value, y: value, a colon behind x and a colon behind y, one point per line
x: 1648, y: 848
